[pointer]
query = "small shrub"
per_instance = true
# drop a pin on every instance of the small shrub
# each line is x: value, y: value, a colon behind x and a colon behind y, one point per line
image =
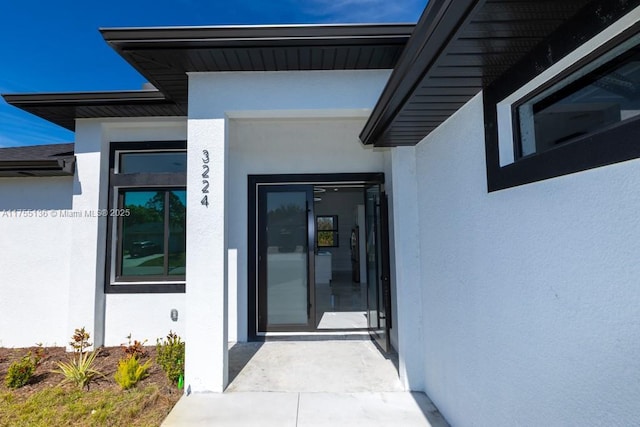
x: 80, y: 340
x: 130, y: 371
x: 170, y: 356
x: 135, y: 349
x: 80, y: 369
x: 21, y: 371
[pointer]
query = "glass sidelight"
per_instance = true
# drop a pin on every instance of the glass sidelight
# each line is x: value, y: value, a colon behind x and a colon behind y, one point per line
x: 378, y: 270
x: 285, y: 240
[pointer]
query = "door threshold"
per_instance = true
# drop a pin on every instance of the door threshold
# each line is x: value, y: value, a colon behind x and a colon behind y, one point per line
x: 314, y: 336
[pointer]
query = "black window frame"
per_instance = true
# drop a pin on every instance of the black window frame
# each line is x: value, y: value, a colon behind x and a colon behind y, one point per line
x: 334, y: 231
x: 138, y: 181
x: 612, y: 145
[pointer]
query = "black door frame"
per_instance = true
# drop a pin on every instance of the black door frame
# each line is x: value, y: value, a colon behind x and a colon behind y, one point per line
x: 382, y: 280
x: 254, y: 182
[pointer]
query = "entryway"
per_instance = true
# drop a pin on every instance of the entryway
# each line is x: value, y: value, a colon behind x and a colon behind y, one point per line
x: 308, y: 383
x: 319, y: 255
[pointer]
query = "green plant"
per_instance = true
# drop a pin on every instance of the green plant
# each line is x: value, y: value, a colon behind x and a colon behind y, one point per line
x: 21, y: 371
x: 130, y: 371
x: 80, y: 369
x: 170, y: 356
x: 135, y: 349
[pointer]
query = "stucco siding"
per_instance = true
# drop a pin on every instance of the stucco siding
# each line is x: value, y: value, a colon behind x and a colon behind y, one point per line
x: 144, y: 316
x: 530, y: 294
x: 35, y: 249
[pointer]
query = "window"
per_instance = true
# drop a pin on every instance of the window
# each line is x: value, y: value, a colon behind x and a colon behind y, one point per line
x: 586, y: 114
x: 327, y: 231
x: 152, y: 234
x: 147, y: 238
x: 577, y: 107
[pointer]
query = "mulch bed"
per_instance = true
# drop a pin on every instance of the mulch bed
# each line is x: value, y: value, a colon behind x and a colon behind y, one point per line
x: 106, y: 362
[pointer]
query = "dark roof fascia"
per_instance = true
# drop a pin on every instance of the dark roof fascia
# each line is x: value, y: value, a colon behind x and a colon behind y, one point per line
x: 437, y: 26
x: 142, y: 46
x: 59, y: 167
x: 37, y: 160
x: 272, y: 36
x: 63, y: 108
x: 84, y: 98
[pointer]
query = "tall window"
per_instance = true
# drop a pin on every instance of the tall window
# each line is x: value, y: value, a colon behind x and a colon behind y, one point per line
x: 148, y: 229
x: 327, y: 231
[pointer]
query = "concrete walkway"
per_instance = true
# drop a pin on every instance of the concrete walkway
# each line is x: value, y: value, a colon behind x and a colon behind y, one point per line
x: 308, y: 383
x: 248, y: 409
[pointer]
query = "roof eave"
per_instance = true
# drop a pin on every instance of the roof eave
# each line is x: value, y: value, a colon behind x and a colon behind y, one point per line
x: 436, y: 27
x: 275, y: 34
x: 64, y: 108
x: 84, y: 98
x: 21, y: 168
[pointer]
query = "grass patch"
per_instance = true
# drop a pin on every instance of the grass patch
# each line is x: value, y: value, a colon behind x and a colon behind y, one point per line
x: 58, y: 406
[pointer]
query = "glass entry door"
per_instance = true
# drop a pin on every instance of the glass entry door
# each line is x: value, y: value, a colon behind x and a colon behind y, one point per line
x: 286, y: 241
x: 378, y: 270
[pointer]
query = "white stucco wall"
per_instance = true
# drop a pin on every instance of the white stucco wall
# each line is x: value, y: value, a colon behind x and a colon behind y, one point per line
x: 145, y: 316
x: 530, y: 294
x: 110, y: 318
x: 34, y: 261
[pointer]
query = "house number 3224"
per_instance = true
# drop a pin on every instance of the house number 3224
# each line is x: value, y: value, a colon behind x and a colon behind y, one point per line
x: 205, y: 178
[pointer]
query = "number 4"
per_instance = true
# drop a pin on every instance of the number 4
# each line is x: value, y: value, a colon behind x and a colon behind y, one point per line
x: 205, y: 201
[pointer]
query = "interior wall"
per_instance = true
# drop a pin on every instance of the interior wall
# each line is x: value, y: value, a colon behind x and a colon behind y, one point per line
x: 530, y: 294
x: 343, y: 203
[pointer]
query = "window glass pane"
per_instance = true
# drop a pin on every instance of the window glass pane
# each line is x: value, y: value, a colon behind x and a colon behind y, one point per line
x: 607, y: 96
x: 325, y: 223
x: 327, y: 230
x: 287, y: 266
x: 177, y: 232
x: 142, y: 236
x: 327, y: 239
x: 144, y: 162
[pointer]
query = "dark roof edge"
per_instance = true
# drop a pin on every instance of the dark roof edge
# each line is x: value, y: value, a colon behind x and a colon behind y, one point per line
x: 273, y: 33
x: 85, y: 98
x: 435, y: 29
x: 18, y: 168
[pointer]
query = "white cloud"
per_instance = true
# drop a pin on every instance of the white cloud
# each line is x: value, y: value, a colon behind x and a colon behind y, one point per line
x: 362, y: 11
x: 18, y: 128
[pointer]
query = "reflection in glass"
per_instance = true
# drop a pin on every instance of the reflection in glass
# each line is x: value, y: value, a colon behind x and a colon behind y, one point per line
x: 287, y: 256
x: 177, y: 232
x: 372, y: 251
x: 573, y: 109
x: 152, y: 242
x: 163, y: 162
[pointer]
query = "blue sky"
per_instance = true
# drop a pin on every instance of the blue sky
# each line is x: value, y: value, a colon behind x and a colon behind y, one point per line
x: 55, y: 46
